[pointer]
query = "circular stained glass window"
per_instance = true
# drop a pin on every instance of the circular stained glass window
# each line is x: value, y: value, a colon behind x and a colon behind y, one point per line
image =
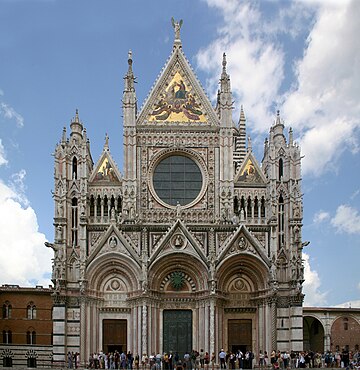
x: 177, y: 179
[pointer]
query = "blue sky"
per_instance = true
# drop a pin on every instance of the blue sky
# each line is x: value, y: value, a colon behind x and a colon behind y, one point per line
x: 301, y: 57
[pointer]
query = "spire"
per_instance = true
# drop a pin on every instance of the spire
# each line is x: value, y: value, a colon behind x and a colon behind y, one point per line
x: 291, y: 137
x: 129, y: 77
x: 129, y: 95
x: 63, y: 139
x: 241, y: 139
x: 224, y: 74
x: 177, y: 26
x: 278, y: 129
x: 225, y: 105
x: 225, y: 78
x: 76, y: 126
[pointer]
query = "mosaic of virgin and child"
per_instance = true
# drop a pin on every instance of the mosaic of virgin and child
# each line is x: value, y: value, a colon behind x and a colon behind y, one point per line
x: 177, y: 99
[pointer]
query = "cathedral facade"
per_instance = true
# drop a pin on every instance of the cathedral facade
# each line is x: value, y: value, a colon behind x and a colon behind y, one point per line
x: 194, y: 244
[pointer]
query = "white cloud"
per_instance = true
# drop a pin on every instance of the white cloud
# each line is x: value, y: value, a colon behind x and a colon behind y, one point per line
x: 3, y: 159
x: 255, y: 62
x: 346, y: 219
x: 321, y: 216
x: 25, y: 258
x: 9, y: 112
x: 311, y: 286
x: 324, y: 104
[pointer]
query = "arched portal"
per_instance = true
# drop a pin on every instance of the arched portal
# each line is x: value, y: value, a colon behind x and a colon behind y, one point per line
x: 313, y: 332
x: 242, y: 279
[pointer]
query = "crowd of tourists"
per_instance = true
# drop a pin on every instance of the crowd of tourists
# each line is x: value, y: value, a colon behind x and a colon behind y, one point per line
x: 310, y: 359
x: 276, y: 360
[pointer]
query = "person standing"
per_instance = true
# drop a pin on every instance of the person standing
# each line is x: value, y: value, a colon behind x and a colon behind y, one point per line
x: 222, y: 359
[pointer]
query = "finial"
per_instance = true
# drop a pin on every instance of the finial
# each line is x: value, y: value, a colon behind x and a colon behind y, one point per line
x: 177, y: 26
x: 249, y: 144
x: 64, y: 135
x: 106, y: 145
x: 224, y: 62
x: 130, y: 57
x: 291, y: 136
x: 242, y: 114
x: 278, y: 121
x: 76, y: 115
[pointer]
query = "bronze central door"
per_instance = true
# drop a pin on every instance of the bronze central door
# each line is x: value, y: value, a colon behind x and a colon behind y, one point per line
x: 239, y: 335
x: 177, y: 335
x: 114, y: 335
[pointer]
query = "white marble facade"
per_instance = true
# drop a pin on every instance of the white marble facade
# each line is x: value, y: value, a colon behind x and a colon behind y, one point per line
x: 192, y: 222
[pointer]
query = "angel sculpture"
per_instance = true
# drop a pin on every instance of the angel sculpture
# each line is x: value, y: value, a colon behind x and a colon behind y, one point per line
x: 177, y: 26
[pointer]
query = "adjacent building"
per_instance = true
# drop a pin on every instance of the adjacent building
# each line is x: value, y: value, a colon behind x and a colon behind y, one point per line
x: 26, y: 326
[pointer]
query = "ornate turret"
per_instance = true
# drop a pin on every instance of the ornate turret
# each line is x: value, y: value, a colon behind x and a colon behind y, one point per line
x: 76, y: 127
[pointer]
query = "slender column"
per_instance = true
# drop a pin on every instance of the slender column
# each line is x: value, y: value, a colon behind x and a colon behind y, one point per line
x: 206, y: 328
x: 212, y: 326
x: 261, y: 328
x: 83, y: 332
x: 102, y: 209
x: 144, y: 345
x: 273, y: 324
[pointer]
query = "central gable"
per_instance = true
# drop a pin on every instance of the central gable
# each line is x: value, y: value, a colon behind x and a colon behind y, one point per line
x: 178, y: 103
x: 177, y: 97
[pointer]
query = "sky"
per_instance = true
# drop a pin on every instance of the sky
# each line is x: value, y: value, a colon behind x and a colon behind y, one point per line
x: 299, y: 57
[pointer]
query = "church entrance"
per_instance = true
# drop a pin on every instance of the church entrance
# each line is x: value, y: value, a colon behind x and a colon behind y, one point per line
x: 239, y: 335
x: 114, y: 335
x: 177, y: 335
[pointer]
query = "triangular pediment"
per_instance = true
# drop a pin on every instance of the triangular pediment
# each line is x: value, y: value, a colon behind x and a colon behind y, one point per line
x: 114, y: 241
x: 105, y: 170
x: 178, y: 240
x: 250, y: 173
x: 177, y: 97
x: 243, y: 242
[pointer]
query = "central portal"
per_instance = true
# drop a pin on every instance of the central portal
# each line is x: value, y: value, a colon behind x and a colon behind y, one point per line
x: 114, y: 335
x: 177, y: 331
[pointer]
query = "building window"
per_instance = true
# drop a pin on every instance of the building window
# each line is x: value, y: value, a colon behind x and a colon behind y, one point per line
x: 281, y: 221
x: 7, y: 308
x: 262, y: 208
x: 98, y: 206
x: 346, y: 323
x: 7, y: 361
x: 31, y: 311
x: 7, y: 336
x: 74, y: 222
x: 74, y: 168
x: 249, y: 207
x: 31, y: 337
x: 92, y: 206
x: 106, y: 206
x: 281, y: 168
x: 256, y: 207
x: 177, y: 179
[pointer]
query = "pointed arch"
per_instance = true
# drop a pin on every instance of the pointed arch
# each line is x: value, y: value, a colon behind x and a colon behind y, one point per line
x: 74, y: 169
